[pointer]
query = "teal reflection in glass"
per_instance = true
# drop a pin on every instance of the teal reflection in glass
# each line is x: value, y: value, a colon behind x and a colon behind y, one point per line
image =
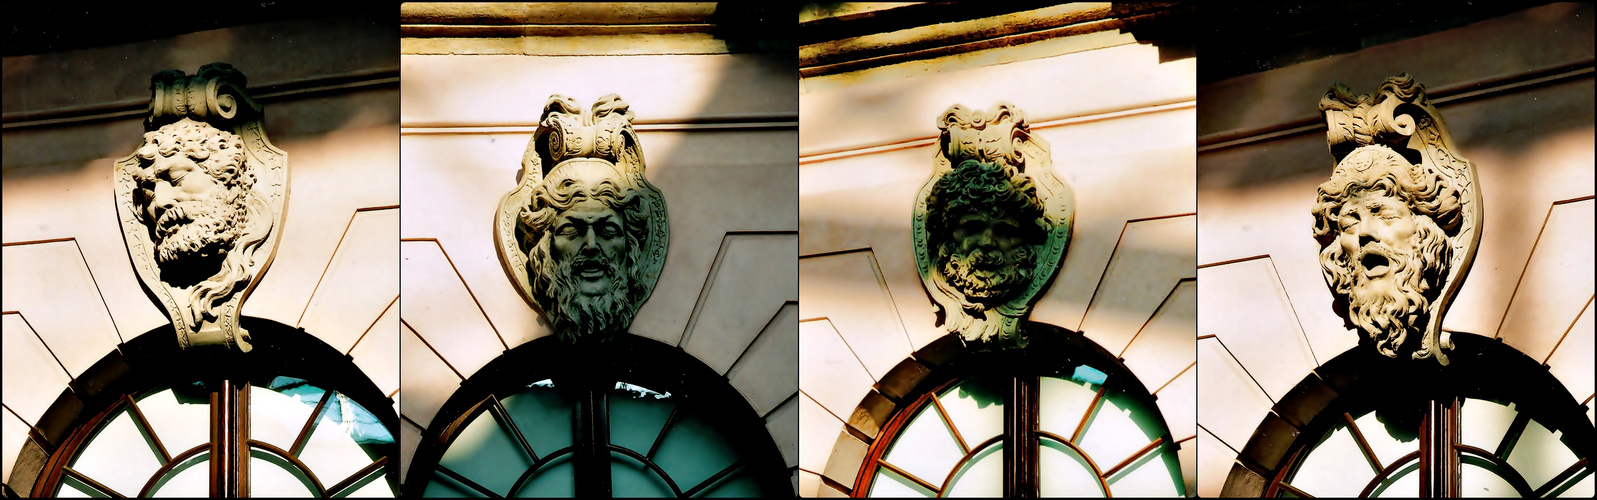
x: 546, y: 417
x: 692, y: 450
x: 443, y: 486
x: 741, y: 484
x: 632, y: 479
x: 487, y: 453
x: 637, y: 416
x: 557, y: 478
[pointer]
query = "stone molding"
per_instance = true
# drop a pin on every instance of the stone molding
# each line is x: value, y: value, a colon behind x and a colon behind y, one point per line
x: 1397, y: 135
x: 996, y: 144
x: 211, y: 103
x: 577, y: 155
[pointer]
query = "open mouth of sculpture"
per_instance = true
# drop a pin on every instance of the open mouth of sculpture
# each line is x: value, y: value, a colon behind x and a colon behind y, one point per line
x: 591, y: 270
x: 172, y: 219
x: 1375, y: 263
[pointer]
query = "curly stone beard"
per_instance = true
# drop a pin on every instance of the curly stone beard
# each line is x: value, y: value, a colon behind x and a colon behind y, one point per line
x: 203, y: 230
x: 576, y: 315
x: 986, y: 277
x: 1390, y: 309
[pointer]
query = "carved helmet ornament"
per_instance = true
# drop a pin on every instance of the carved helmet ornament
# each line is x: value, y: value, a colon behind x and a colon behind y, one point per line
x: 201, y: 201
x: 584, y: 234
x: 991, y: 224
x: 1400, y: 219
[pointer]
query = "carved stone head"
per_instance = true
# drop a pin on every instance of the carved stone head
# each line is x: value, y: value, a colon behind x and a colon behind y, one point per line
x: 1397, y: 220
x: 198, y: 226
x: 584, y: 234
x: 991, y: 225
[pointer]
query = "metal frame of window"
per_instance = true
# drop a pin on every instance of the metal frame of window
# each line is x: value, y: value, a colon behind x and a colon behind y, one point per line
x: 1361, y: 379
x: 153, y: 360
x: 589, y: 372
x: 1052, y: 351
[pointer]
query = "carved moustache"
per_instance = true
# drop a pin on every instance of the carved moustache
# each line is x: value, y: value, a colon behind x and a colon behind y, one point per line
x: 984, y: 274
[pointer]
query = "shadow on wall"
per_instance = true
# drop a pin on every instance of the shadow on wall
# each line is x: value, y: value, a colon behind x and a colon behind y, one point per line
x: 324, y: 71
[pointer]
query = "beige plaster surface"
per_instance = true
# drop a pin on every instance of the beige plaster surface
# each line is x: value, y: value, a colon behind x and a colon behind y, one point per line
x: 1232, y: 404
x: 1150, y: 258
x: 1178, y: 402
x: 360, y: 282
x: 377, y: 353
x: 815, y: 420
x: 1572, y: 361
x: 1162, y: 354
x: 428, y: 380
x: 32, y: 377
x: 830, y: 375
x: 438, y: 307
x: 767, y: 373
x: 13, y: 433
x: 847, y: 291
x: 52, y: 287
x: 782, y: 423
x: 1214, y: 463
x: 751, y: 270
x: 1557, y: 281
x: 809, y: 483
x: 1244, y: 305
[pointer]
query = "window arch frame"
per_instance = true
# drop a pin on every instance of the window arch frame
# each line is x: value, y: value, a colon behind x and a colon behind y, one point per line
x: 154, y: 360
x: 1354, y: 382
x: 1051, y: 351
x: 626, y: 358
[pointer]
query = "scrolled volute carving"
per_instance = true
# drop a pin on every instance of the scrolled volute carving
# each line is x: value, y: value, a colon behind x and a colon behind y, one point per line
x: 991, y: 225
x: 200, y: 201
x: 1399, y: 220
x: 584, y: 234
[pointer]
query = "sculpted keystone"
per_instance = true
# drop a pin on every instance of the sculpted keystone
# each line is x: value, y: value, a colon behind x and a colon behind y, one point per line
x: 584, y: 234
x: 201, y: 200
x: 1400, y: 219
x: 991, y: 224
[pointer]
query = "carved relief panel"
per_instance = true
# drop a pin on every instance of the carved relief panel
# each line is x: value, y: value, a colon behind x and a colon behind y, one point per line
x: 1400, y: 219
x: 201, y: 202
x: 584, y: 234
x: 991, y: 224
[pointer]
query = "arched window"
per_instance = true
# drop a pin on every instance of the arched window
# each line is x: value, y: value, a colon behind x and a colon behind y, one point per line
x: 1061, y: 417
x: 631, y: 417
x: 292, y: 418
x: 1492, y: 423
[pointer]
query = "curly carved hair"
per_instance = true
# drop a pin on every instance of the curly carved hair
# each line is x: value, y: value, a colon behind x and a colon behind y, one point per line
x: 1426, y: 191
x: 219, y: 152
x: 975, y: 186
x: 559, y: 193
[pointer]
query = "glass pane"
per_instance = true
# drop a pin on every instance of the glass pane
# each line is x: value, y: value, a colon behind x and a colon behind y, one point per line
x: 71, y: 487
x: 693, y: 450
x: 1390, y: 434
x: 740, y: 484
x: 344, y: 440
x: 632, y: 479
x: 556, y: 479
x: 1062, y: 402
x: 981, y: 476
x: 1120, y: 428
x: 119, y: 456
x: 486, y: 453
x: 1405, y: 483
x: 279, y: 409
x: 891, y: 485
x: 1335, y: 467
x: 444, y: 487
x: 546, y: 417
x: 181, y: 416
x: 1479, y: 478
x: 192, y: 478
x: 1539, y: 454
x: 976, y: 406
x: 1155, y: 474
x: 1483, y: 423
x: 925, y: 447
x: 272, y: 476
x: 1063, y: 473
x: 374, y: 485
x: 637, y: 416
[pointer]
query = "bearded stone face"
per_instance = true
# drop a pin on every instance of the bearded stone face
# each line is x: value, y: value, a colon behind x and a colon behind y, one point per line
x: 190, y: 196
x: 582, y: 264
x: 986, y: 256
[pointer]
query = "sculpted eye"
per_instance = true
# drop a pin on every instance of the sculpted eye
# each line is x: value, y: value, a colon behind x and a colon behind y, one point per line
x: 609, y: 230
x: 566, y: 230
x: 1347, y: 222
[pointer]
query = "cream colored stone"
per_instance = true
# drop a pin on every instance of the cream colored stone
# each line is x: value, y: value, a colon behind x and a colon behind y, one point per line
x: 1557, y: 281
x: 49, y: 284
x: 409, y: 439
x: 33, y: 378
x: 1244, y: 305
x: 1178, y: 401
x: 428, y: 381
x: 377, y: 353
x: 1572, y: 362
x: 818, y: 430
x: 847, y: 290
x: 809, y: 484
x: 828, y: 371
x: 751, y: 269
x: 1151, y: 257
x: 1214, y: 464
x: 784, y: 427
x: 13, y: 433
x: 1231, y: 399
x: 360, y: 282
x: 440, y: 308
x: 1164, y: 348
x: 767, y: 373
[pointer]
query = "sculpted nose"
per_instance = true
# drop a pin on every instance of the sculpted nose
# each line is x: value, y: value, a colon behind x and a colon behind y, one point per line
x: 1366, y: 234
x: 589, y: 242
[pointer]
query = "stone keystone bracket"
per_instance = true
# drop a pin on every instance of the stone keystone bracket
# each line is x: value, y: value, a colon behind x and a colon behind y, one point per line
x: 201, y: 202
x: 584, y: 234
x: 991, y: 224
x: 1400, y: 219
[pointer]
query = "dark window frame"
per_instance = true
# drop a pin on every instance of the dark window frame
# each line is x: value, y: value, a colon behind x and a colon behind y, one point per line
x: 591, y: 370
